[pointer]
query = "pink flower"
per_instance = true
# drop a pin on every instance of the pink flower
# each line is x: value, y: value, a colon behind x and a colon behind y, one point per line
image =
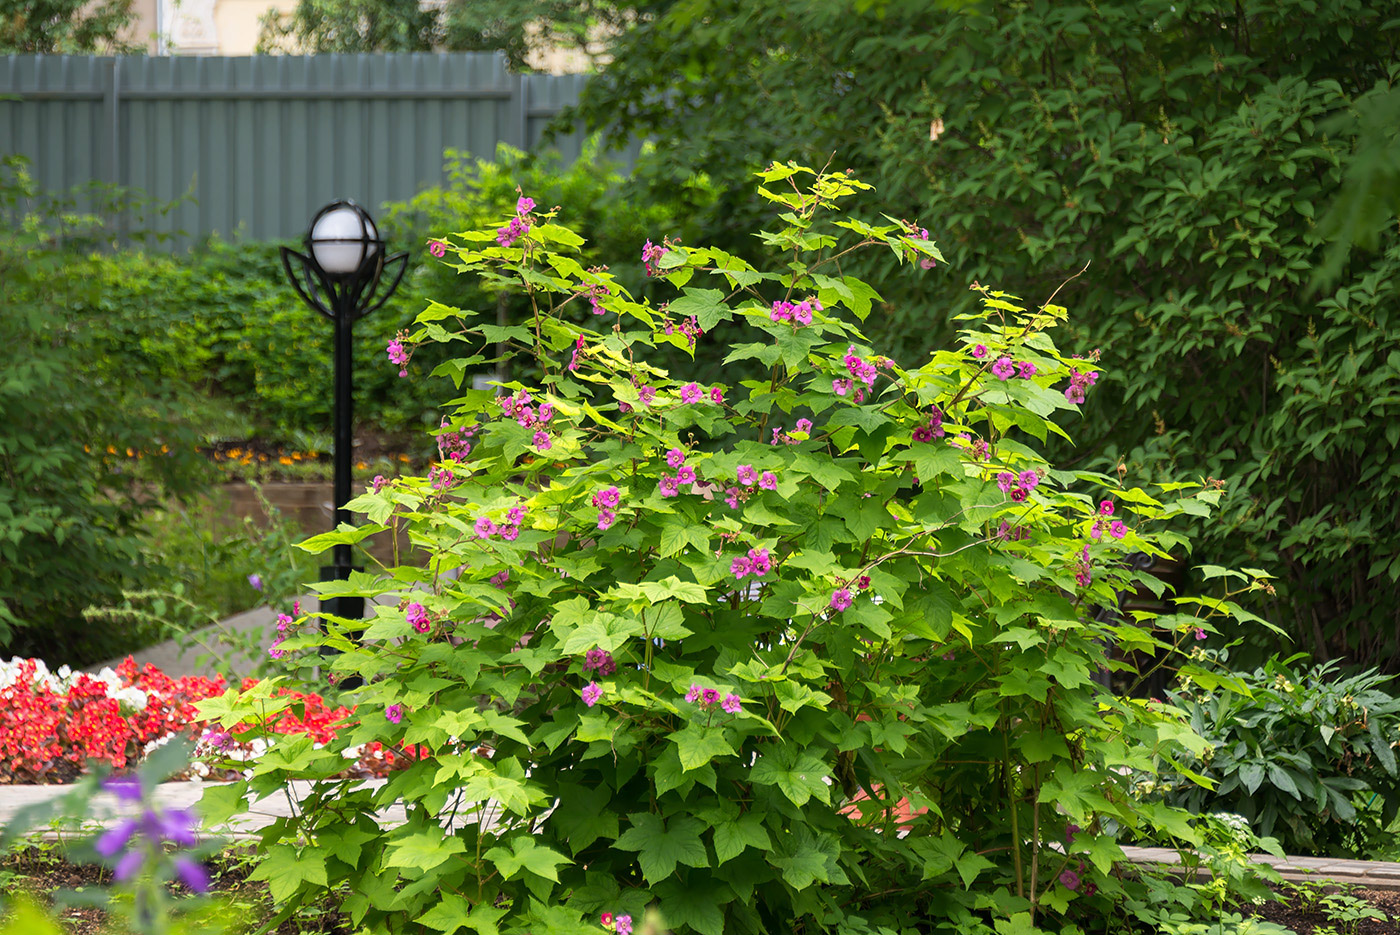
x: 863, y: 582
x: 1106, y: 508
x: 1004, y: 480
x: 667, y: 486
x: 760, y: 562
x: 379, y: 483
x: 731, y: 497
x: 485, y: 529
x: 693, y: 694
x: 804, y: 425
x: 923, y: 433
x: 675, y: 457
x: 1019, y: 494
x: 746, y: 475
x: 709, y: 696
x: 840, y: 387
x: 606, y: 518
x: 979, y: 351
x: 510, y: 533
x: 394, y: 713
x: 1070, y: 879
x: 1003, y: 368
x: 1029, y: 479
x: 607, y: 920
x: 802, y: 313
x: 599, y: 659
x: 650, y: 254
x: 591, y: 693
x: 768, y: 480
x: 840, y: 599
x: 437, y: 248
x: 691, y: 393
x: 1026, y: 369
x: 717, y: 396
x: 1117, y: 529
x: 607, y: 497
x: 500, y: 578
x: 732, y: 704
x: 1200, y: 633
x: 685, y: 474
x: 624, y: 925
x: 524, y: 205
x: 417, y: 616
x: 740, y: 567
x: 542, y: 440
x: 646, y: 394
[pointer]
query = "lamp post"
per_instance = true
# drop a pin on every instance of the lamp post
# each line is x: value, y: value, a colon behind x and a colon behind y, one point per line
x: 340, y: 275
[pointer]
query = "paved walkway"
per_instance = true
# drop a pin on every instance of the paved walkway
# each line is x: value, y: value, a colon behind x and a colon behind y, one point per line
x: 105, y: 809
x: 231, y: 648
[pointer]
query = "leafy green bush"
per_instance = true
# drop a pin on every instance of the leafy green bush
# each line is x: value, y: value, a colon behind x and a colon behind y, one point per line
x: 1184, y: 152
x: 813, y: 652
x: 225, y: 321
x: 69, y: 499
x: 1304, y: 755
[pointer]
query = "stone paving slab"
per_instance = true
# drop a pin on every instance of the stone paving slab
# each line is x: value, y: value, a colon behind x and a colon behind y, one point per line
x: 105, y: 809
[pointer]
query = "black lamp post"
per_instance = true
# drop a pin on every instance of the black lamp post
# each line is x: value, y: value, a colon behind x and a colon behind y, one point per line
x: 340, y: 276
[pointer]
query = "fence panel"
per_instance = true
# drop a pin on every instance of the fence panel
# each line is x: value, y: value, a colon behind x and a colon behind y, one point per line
x: 261, y: 143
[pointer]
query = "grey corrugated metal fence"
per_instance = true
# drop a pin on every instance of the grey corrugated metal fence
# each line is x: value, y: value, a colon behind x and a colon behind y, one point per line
x: 263, y: 142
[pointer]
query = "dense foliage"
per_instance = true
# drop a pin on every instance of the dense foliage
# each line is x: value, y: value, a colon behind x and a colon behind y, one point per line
x: 1184, y: 152
x: 70, y: 498
x: 712, y: 649
x: 1306, y: 755
x: 71, y: 27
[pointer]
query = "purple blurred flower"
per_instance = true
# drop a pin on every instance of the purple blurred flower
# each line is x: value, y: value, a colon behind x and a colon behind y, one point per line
x: 116, y: 837
x: 255, y: 580
x: 192, y: 874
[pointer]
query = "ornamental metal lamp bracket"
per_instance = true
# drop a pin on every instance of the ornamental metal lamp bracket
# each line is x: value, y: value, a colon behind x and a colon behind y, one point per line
x: 342, y: 276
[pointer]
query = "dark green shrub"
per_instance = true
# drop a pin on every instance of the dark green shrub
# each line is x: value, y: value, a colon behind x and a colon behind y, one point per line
x: 1306, y: 755
x: 70, y: 495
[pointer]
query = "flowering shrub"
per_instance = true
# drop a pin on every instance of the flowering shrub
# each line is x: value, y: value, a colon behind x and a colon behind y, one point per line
x: 695, y: 624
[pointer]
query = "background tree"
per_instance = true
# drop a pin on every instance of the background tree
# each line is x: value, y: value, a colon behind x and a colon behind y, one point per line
x: 317, y: 26
x: 521, y: 29
x: 1185, y: 153
x: 29, y: 27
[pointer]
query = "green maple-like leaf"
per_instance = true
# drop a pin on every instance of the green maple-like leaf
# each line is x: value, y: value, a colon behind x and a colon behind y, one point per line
x: 526, y: 853
x: 732, y: 837
x: 799, y: 775
x: 661, y: 847
x: 454, y: 913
